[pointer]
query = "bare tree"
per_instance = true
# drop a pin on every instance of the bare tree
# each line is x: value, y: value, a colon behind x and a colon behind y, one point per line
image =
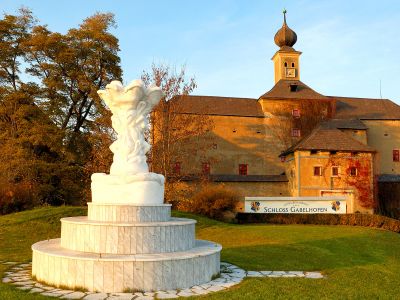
x: 176, y: 134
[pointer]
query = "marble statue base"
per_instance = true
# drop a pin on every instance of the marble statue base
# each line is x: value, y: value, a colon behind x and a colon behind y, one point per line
x: 126, y: 247
x: 140, y: 189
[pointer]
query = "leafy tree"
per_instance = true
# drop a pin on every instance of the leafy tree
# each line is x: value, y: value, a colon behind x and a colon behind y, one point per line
x: 45, y: 127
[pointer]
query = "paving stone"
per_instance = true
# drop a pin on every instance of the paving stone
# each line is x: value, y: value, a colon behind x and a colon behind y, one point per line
x: 36, y: 290
x: 25, y: 265
x: 96, y: 296
x: 39, y: 285
x: 205, y: 286
x: 313, y: 275
x: 265, y: 272
x: 30, y: 282
x: 254, y: 274
x: 9, y: 263
x: 278, y: 273
x: 121, y: 296
x: 165, y: 296
x: 74, y: 295
x: 289, y: 275
x: 186, y: 294
x: 50, y: 294
x: 62, y: 292
x: 139, y: 294
x: 296, y: 272
x: 215, y: 288
x: 6, y: 280
x: 144, y: 298
x: 200, y: 291
x: 149, y: 294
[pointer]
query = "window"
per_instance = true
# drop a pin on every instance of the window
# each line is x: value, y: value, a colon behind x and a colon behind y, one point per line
x: 285, y: 64
x: 292, y: 65
x: 295, y: 132
x: 353, y: 171
x: 234, y: 130
x: 335, y: 171
x: 177, y: 168
x: 396, y: 155
x: 296, y: 113
x: 293, y: 87
x: 317, y: 171
x: 242, y: 169
x: 205, y: 168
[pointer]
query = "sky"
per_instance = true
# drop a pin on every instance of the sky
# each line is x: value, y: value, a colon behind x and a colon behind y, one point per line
x: 349, y: 48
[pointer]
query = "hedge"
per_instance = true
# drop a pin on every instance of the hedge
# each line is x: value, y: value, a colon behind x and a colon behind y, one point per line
x: 365, y: 220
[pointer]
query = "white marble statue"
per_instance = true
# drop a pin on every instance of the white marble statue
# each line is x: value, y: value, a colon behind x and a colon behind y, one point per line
x: 130, y: 107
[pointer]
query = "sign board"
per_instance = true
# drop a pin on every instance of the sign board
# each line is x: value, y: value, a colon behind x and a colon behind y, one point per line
x: 295, y: 205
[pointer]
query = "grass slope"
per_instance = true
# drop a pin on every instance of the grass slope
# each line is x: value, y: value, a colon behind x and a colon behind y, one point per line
x: 360, y: 263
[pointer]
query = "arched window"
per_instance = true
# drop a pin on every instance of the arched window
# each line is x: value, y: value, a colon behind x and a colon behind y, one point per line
x: 292, y: 65
x: 285, y: 64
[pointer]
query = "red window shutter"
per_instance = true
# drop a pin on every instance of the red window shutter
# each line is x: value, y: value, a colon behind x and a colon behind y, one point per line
x: 177, y: 168
x: 335, y: 171
x: 295, y: 132
x: 396, y: 155
x: 353, y: 171
x: 317, y: 171
x: 296, y: 113
x: 206, y: 168
x: 242, y: 169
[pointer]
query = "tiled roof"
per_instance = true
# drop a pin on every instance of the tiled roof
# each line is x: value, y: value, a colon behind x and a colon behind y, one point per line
x: 366, y: 109
x: 344, y: 124
x: 222, y: 106
x: 330, y: 139
x: 282, y: 90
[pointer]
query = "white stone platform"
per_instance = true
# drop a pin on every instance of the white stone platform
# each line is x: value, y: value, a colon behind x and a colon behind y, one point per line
x: 81, y: 234
x: 114, y: 212
x: 120, y: 247
x: 115, y: 273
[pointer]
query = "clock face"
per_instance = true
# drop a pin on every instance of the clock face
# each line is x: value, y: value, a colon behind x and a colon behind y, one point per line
x: 290, y: 72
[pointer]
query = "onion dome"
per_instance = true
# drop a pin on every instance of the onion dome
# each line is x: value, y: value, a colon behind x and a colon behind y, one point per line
x: 285, y: 37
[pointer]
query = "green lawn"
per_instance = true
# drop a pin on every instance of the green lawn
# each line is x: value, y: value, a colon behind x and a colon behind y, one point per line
x: 360, y: 263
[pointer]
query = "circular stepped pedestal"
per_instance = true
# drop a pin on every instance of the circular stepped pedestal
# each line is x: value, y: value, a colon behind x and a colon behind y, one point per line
x: 81, y: 234
x: 121, y: 247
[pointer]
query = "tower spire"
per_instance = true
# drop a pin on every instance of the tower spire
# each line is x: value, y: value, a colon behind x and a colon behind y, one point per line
x: 285, y: 37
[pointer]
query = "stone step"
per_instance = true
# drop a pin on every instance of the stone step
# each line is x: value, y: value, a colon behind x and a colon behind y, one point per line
x: 118, y: 273
x: 81, y: 234
x: 114, y: 212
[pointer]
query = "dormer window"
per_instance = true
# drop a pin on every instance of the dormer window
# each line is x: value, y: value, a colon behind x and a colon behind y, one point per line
x: 293, y: 87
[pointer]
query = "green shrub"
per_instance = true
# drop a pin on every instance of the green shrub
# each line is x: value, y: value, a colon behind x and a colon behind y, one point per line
x: 365, y: 220
x: 215, y: 202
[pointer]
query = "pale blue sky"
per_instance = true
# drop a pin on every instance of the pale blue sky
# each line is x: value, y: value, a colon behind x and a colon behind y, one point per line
x: 348, y: 46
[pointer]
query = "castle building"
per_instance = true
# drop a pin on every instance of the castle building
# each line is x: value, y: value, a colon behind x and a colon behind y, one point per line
x: 294, y: 141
